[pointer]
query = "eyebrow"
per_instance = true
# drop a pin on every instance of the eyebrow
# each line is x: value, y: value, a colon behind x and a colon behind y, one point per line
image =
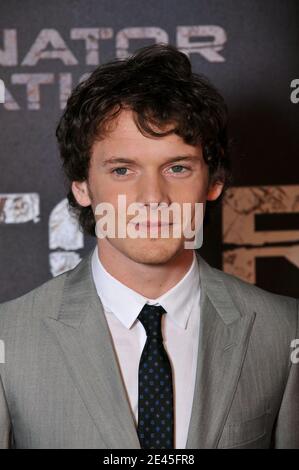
x: 113, y: 160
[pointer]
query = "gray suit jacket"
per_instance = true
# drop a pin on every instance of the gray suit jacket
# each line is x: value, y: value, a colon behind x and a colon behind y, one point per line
x: 61, y: 386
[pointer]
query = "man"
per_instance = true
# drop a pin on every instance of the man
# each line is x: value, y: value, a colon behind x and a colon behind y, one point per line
x: 143, y: 344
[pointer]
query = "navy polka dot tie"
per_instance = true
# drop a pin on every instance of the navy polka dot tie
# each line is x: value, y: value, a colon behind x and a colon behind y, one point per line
x: 155, y: 393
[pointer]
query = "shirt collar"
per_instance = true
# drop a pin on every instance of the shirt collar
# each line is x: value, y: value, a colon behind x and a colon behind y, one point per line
x: 126, y: 304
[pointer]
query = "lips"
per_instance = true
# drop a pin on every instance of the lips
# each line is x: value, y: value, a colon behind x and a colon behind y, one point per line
x: 149, y: 224
x: 153, y: 224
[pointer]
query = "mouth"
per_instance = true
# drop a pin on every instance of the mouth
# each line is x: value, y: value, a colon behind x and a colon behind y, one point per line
x: 150, y: 224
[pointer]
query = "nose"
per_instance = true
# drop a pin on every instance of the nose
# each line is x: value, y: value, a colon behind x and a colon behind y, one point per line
x: 152, y: 189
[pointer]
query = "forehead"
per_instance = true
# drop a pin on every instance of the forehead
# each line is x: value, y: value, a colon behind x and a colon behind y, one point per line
x: 122, y: 134
x: 124, y: 125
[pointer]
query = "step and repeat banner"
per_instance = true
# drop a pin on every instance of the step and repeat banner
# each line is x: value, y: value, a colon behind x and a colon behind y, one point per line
x: 249, y: 50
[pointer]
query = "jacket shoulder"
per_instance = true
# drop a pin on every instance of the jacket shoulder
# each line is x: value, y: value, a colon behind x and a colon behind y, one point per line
x: 34, y: 303
x: 268, y: 304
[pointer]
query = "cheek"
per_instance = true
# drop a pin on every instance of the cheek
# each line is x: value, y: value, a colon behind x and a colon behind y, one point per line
x: 200, y: 187
x: 194, y: 191
x: 102, y: 189
x: 114, y: 196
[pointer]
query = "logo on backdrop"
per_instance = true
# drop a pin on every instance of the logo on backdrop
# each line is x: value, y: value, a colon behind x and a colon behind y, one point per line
x: 207, y: 41
x: 250, y: 229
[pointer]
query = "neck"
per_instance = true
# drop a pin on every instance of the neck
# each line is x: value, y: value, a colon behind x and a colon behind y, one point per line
x: 151, y: 281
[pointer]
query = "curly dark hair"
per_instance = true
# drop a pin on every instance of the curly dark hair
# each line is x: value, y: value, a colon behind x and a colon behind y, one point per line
x: 158, y: 85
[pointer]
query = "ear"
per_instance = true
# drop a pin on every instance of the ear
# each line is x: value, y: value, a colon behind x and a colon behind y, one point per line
x: 214, y: 190
x: 80, y: 192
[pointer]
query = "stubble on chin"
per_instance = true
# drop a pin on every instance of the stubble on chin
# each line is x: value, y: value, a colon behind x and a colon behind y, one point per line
x: 151, y: 253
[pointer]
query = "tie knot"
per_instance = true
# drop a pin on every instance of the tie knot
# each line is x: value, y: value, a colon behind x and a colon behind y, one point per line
x: 150, y: 317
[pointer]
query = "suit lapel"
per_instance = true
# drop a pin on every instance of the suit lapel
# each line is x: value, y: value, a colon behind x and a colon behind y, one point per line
x: 82, y: 332
x: 223, y: 341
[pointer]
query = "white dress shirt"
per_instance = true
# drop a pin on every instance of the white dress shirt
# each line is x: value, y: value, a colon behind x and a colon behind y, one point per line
x: 180, y: 330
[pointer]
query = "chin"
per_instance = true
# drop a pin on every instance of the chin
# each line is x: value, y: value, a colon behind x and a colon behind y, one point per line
x: 153, y: 251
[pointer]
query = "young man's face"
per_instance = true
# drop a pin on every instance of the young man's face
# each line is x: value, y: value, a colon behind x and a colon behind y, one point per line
x: 154, y: 173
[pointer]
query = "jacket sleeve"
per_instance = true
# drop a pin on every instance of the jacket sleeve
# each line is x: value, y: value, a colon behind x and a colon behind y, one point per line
x: 287, y: 426
x: 6, y: 436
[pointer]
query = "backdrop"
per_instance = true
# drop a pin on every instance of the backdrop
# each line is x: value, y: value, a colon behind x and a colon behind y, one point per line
x: 249, y: 49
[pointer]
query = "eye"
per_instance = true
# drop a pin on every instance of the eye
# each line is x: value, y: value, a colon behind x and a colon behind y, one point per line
x: 178, y: 168
x: 119, y: 171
